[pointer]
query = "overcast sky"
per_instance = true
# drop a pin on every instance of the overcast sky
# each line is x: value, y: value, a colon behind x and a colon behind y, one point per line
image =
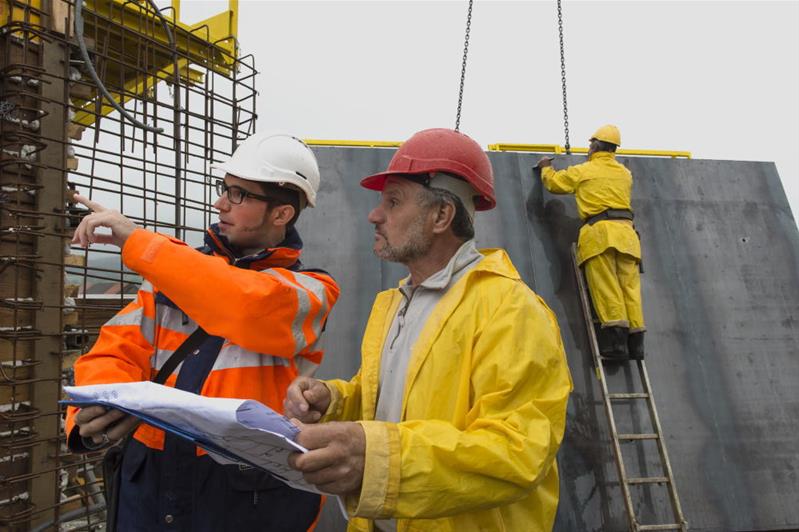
x: 718, y: 79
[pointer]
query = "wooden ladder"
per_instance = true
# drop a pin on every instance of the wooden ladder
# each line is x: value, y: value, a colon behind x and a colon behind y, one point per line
x: 647, y: 395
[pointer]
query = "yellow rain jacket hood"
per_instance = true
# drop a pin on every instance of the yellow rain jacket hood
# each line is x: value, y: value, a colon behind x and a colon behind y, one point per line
x: 483, y: 411
x: 599, y: 184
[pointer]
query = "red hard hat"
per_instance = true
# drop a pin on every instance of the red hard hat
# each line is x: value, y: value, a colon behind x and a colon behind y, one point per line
x: 442, y: 150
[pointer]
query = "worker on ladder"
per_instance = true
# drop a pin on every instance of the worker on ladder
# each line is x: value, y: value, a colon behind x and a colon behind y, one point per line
x: 608, y: 245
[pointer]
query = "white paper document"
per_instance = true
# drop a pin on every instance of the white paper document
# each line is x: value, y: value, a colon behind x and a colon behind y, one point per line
x: 231, y: 430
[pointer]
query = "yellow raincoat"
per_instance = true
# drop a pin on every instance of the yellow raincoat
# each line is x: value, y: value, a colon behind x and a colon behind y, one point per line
x: 483, y: 411
x: 613, y: 278
x: 598, y: 185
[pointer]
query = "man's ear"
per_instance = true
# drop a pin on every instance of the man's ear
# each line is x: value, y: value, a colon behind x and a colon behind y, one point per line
x: 444, y: 215
x: 281, y: 215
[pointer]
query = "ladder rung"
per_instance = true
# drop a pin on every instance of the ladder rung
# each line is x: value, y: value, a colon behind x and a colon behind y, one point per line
x: 620, y: 396
x: 606, y: 359
x: 638, y: 437
x: 648, y: 480
x: 673, y: 526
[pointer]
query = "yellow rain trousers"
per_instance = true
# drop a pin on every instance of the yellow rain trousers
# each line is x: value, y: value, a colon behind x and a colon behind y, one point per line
x: 483, y: 411
x: 615, y: 289
x: 610, y: 249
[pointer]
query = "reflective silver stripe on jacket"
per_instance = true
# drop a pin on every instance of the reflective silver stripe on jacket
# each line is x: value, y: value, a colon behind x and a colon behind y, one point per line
x: 160, y: 358
x: 170, y: 318
x: 305, y: 367
x: 231, y: 355
x: 234, y: 356
x: 176, y: 320
x: 317, y: 288
x: 138, y: 319
x: 303, y: 307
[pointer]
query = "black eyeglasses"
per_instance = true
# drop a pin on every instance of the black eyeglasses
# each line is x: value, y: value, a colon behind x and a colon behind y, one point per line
x: 236, y: 194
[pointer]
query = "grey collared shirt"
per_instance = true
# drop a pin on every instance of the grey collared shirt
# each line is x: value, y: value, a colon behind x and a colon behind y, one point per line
x: 417, y: 304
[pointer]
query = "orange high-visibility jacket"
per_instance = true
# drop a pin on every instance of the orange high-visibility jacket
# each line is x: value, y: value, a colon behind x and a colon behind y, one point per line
x: 269, y: 312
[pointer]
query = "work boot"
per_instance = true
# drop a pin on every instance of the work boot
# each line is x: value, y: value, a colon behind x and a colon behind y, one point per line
x: 613, y: 342
x: 635, y: 345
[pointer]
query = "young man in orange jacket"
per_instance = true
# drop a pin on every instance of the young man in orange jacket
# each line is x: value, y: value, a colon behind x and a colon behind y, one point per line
x: 263, y: 315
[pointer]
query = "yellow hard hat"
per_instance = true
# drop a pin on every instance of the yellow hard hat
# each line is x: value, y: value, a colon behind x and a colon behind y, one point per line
x: 608, y: 133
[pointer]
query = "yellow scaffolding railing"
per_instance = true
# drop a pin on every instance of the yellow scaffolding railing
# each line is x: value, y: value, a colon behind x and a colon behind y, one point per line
x: 560, y: 150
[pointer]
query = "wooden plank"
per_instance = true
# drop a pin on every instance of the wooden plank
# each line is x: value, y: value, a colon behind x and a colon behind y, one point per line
x: 71, y: 317
x: 82, y: 90
x: 12, y: 370
x: 74, y: 130
x: 14, y: 351
x: 10, y: 319
x: 14, y: 465
x: 21, y: 53
x: 74, y: 260
x: 13, y: 394
x: 61, y: 15
x: 71, y: 290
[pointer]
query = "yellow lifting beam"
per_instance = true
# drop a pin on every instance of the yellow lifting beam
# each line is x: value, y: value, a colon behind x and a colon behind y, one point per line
x: 560, y: 150
x: 354, y: 143
x: 535, y: 148
x: 220, y: 31
x: 133, y: 88
x: 210, y: 43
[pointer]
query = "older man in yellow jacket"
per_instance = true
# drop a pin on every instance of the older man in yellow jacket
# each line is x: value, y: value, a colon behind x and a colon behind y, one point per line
x: 456, y: 415
x: 608, y: 245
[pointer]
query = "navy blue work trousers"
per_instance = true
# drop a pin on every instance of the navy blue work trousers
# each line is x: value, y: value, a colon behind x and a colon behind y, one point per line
x: 175, y: 490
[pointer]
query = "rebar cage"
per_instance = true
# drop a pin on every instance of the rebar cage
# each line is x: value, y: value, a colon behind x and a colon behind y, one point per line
x: 58, y: 134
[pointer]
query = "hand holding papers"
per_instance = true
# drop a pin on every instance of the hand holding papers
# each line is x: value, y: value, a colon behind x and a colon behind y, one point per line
x: 231, y: 430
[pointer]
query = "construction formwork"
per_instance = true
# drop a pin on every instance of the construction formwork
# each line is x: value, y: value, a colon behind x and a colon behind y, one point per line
x: 193, y: 97
x: 721, y: 296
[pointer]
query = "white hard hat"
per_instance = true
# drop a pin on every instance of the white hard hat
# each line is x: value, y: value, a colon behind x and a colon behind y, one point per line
x: 275, y: 158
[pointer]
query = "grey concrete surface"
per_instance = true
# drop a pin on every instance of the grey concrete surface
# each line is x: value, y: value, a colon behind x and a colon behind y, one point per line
x: 721, y: 301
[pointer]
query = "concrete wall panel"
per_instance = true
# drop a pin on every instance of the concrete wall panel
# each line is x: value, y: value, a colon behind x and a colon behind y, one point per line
x: 721, y: 301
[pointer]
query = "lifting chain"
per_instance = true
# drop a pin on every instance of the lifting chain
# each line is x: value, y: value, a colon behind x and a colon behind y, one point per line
x: 563, y: 79
x: 463, y: 66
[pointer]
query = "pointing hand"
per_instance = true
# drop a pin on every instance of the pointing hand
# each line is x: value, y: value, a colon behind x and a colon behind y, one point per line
x: 85, y: 235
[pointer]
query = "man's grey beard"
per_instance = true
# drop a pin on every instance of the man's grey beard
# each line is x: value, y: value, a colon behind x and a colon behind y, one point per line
x: 418, y: 245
